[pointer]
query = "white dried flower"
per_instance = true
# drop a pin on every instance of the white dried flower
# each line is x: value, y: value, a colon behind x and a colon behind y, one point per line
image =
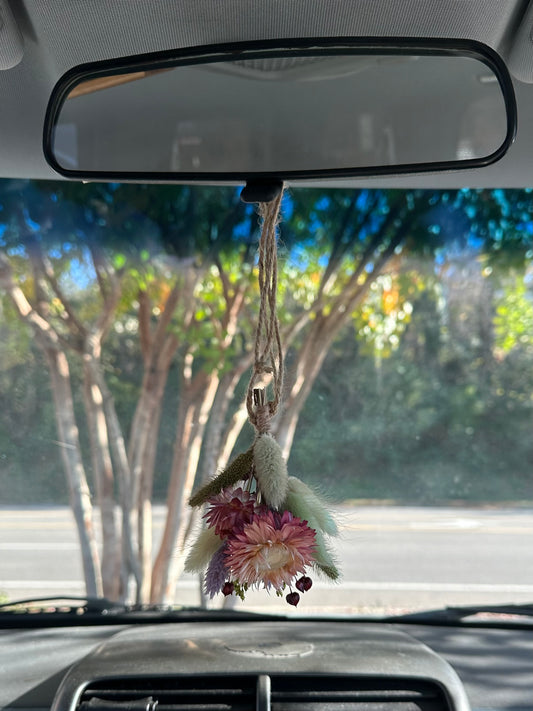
x: 305, y: 504
x: 270, y: 471
x: 202, y: 551
x: 324, y: 560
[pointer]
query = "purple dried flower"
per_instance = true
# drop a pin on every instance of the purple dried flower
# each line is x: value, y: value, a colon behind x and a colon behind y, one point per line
x: 217, y: 573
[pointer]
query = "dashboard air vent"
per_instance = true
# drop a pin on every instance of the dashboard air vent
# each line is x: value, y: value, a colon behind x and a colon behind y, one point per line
x: 192, y: 693
x: 352, y: 693
x: 263, y: 693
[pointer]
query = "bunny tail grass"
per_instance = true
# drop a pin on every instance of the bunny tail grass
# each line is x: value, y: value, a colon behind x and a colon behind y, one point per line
x: 204, y: 548
x: 270, y: 471
x: 302, y: 502
x: 330, y: 571
x: 324, y: 561
x: 237, y: 470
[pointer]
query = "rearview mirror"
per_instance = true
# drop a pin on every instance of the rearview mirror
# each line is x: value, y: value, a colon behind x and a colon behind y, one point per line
x: 309, y: 108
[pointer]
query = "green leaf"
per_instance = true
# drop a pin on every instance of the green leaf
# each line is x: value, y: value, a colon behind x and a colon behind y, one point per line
x: 119, y: 260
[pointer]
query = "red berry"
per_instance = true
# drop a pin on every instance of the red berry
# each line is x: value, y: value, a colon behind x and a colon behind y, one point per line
x: 304, y: 584
x: 293, y: 598
x: 228, y: 588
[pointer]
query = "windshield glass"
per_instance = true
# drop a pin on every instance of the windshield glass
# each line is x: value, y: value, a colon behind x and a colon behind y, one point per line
x: 127, y: 321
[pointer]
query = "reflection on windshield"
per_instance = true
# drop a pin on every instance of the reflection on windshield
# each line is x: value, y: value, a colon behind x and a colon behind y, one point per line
x: 126, y: 336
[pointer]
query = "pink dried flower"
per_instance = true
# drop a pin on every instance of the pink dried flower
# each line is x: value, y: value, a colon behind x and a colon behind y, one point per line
x: 230, y: 510
x: 272, y: 549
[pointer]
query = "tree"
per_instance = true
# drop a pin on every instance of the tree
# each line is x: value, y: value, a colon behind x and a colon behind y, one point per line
x: 174, y: 267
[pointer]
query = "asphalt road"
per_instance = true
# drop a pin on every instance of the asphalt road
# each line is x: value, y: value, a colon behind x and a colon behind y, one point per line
x: 392, y: 559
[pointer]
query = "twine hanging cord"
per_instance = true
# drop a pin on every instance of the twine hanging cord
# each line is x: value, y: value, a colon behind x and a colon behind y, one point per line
x: 268, y: 356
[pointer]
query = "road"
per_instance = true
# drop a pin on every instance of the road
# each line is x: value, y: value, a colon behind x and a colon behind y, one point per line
x: 392, y: 558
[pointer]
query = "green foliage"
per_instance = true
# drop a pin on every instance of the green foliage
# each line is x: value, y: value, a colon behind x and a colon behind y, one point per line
x: 426, y: 366
x: 438, y: 420
x: 513, y: 322
x: 385, y: 313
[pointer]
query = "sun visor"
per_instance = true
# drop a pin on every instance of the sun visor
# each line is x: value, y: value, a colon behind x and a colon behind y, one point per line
x: 11, y: 45
x: 520, y: 61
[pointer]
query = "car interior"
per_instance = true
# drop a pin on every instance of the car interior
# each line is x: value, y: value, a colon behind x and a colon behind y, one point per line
x: 223, y: 225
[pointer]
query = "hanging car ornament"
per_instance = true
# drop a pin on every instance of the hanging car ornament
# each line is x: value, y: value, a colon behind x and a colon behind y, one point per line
x: 263, y: 528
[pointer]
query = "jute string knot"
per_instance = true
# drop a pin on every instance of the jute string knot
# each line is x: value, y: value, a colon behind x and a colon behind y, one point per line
x: 268, y: 356
x: 262, y: 419
x: 262, y: 367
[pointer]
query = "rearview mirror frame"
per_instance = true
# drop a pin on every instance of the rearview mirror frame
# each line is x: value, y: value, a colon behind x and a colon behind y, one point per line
x: 279, y: 48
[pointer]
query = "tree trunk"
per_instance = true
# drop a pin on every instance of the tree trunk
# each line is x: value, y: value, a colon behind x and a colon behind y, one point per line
x: 142, y: 454
x: 231, y: 434
x: 310, y: 360
x: 128, y: 556
x: 145, y: 503
x: 195, y: 403
x: 80, y: 498
x: 59, y: 372
x: 104, y: 479
x: 321, y: 334
x: 218, y: 438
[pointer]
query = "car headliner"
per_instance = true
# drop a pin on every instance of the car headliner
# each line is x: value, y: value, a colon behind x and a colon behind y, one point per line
x: 41, y: 39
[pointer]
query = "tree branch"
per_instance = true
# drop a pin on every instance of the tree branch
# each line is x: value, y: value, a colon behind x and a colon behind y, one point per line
x: 105, y: 320
x: 145, y: 331
x: 42, y: 328
x: 100, y: 269
x: 336, y: 254
x: 226, y: 287
x: 72, y: 319
x: 343, y: 300
x: 178, y: 291
x: 357, y: 294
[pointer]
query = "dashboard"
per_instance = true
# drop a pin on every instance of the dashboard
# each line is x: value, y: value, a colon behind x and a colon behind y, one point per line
x: 279, y: 665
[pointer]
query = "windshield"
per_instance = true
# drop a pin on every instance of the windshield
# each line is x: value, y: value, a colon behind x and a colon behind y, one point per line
x: 127, y: 322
